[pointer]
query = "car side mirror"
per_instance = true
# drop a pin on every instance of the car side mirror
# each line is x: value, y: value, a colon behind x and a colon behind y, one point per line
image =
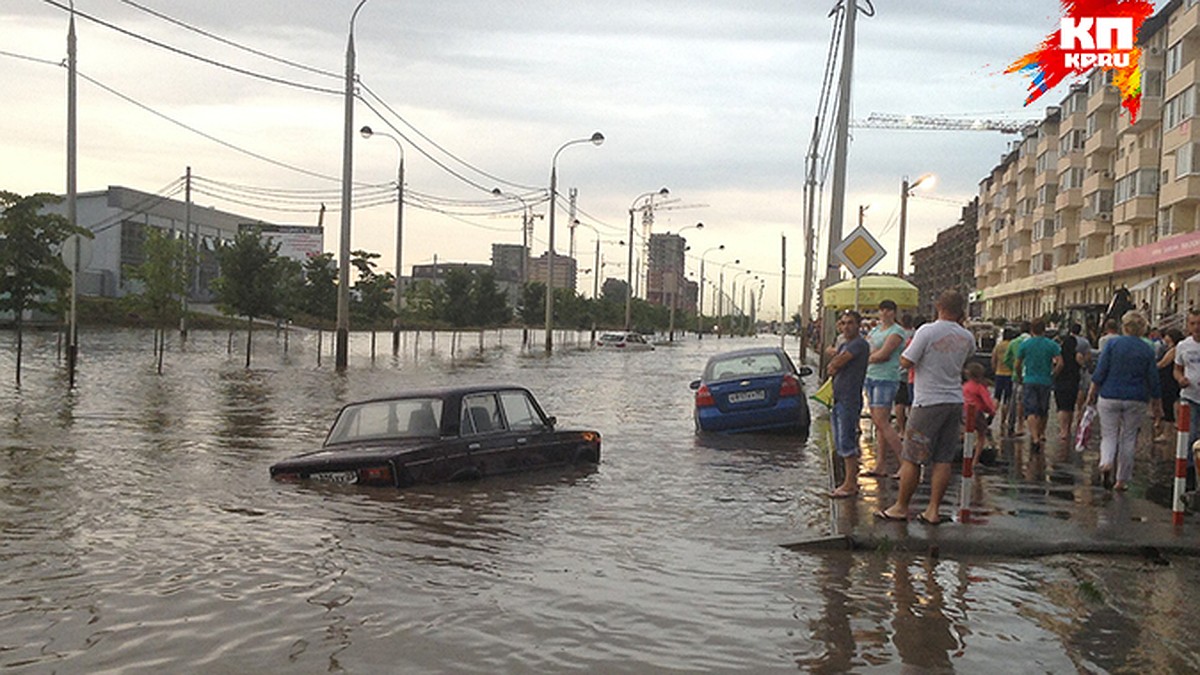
x: 805, y: 371
x: 551, y: 421
x: 694, y: 385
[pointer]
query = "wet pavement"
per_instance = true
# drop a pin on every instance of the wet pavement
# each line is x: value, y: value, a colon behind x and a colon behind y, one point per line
x: 1025, y: 504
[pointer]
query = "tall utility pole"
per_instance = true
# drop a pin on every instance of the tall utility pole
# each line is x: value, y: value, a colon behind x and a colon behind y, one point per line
x: 72, y: 210
x: 187, y: 249
x: 840, y: 151
x: 342, y: 350
x: 783, y: 293
x: 810, y: 253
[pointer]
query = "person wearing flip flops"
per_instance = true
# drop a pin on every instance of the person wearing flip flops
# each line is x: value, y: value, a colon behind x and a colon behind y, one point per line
x: 936, y: 357
x: 848, y: 368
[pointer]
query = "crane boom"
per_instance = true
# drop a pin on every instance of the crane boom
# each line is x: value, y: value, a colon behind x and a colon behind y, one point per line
x: 937, y: 123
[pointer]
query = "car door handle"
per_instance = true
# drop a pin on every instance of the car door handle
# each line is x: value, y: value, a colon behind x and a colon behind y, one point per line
x: 473, y: 446
x: 522, y: 441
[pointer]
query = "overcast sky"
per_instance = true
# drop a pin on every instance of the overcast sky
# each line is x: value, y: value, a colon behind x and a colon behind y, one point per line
x: 714, y: 99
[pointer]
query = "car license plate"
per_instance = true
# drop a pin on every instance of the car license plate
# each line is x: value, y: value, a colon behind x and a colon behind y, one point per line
x: 334, y: 476
x: 743, y: 396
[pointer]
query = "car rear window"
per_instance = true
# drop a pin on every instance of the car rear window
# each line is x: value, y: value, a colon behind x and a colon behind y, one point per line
x: 399, y: 418
x: 745, y: 366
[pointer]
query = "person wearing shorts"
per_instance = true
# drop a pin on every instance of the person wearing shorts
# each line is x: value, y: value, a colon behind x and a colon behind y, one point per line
x: 1039, y: 359
x: 883, y: 381
x: 848, y: 368
x: 936, y: 356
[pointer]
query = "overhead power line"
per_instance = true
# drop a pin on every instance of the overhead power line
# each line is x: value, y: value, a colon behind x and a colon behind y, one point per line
x: 228, y: 42
x: 191, y: 55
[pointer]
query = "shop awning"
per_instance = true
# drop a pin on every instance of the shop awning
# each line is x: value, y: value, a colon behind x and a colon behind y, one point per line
x: 1145, y: 283
x: 1195, y: 278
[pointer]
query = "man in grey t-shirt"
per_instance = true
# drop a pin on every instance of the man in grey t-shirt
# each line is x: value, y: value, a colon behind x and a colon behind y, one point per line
x: 936, y: 356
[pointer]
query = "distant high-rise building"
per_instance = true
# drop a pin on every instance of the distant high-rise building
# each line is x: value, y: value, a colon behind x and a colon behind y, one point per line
x: 509, y: 261
x: 666, y: 278
x: 565, y: 270
x: 948, y: 263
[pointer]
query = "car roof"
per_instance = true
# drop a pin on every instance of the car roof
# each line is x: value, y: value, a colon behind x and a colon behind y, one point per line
x: 444, y: 392
x: 746, y: 352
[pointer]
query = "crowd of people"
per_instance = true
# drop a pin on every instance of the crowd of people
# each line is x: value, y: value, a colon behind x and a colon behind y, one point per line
x: 919, y: 373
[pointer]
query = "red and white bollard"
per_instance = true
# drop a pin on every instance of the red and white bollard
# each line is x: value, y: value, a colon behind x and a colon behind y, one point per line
x: 1183, y: 419
x: 968, y: 471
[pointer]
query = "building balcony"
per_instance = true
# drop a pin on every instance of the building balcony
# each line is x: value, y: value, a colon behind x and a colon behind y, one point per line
x: 1095, y: 181
x: 1103, y: 139
x: 1027, y: 162
x: 1023, y: 224
x: 1149, y: 115
x: 1076, y: 120
x: 1144, y: 158
x: 1186, y: 24
x: 1065, y: 235
x: 1098, y: 225
x: 1107, y: 98
x: 1070, y: 160
x: 1068, y: 199
x: 1179, y: 191
x: 1022, y: 255
x: 1136, y: 210
x: 1183, y: 78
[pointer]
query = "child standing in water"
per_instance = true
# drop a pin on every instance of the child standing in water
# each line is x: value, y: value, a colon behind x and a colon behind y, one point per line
x: 975, y: 393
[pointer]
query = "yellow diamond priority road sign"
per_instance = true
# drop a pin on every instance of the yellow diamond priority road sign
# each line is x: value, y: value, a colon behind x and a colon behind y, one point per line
x: 859, y: 252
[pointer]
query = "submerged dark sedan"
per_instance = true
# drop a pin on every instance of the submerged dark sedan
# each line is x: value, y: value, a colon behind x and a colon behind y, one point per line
x: 440, y: 435
x: 756, y: 389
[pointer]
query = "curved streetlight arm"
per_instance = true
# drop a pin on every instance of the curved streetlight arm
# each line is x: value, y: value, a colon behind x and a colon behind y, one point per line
x: 596, y: 138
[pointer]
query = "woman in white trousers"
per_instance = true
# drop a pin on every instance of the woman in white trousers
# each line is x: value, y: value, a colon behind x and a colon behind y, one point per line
x: 1126, y: 384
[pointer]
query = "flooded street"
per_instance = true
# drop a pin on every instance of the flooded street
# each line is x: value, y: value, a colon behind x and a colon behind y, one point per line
x: 141, y: 533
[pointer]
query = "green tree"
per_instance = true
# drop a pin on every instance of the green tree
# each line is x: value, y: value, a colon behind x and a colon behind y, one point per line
x: 373, y: 291
x: 319, y: 297
x: 164, y: 280
x: 459, y: 309
x: 491, y: 307
x: 425, y: 300
x: 291, y: 288
x: 533, y: 303
x: 32, y: 276
x: 249, y: 281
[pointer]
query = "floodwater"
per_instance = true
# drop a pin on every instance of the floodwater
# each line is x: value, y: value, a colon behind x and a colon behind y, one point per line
x: 140, y: 532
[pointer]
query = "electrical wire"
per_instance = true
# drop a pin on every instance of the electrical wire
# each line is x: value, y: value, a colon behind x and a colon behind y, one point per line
x: 429, y: 140
x: 191, y: 55
x: 228, y: 42
x: 140, y: 208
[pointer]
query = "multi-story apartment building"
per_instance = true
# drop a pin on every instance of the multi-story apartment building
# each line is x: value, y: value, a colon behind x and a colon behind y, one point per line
x: 947, y: 263
x: 565, y: 270
x: 1087, y: 203
x: 666, y: 277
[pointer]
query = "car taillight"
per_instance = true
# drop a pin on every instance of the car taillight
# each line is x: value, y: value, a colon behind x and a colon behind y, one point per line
x: 375, y: 475
x: 790, y: 386
x: 704, y: 397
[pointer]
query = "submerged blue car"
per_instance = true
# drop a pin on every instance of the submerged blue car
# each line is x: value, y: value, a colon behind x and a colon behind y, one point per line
x: 752, y: 390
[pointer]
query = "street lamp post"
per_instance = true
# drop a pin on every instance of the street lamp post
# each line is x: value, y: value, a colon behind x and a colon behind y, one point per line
x: 700, y: 303
x: 595, y: 139
x: 633, y: 208
x: 527, y: 217
x: 905, y: 193
x: 595, y: 276
x: 734, y: 295
x: 342, y: 352
x: 721, y: 297
x: 399, y: 292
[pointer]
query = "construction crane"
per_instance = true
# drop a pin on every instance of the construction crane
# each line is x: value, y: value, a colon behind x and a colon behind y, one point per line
x: 937, y: 123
